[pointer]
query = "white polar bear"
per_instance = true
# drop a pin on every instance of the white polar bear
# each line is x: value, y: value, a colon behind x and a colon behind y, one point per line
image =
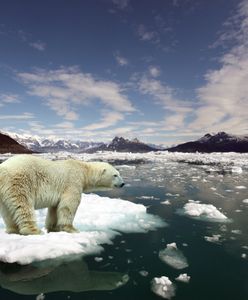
x: 28, y: 182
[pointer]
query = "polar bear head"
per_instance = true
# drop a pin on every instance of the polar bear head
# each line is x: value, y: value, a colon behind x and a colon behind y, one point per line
x: 106, y: 176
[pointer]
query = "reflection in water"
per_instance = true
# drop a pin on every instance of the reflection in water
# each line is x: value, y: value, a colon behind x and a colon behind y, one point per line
x: 71, y: 276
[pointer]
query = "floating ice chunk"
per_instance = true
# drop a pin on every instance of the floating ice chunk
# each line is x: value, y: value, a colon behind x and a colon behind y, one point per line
x: 204, y: 212
x: 240, y: 187
x: 183, y: 278
x: 125, y: 167
x: 147, y: 197
x: 236, y: 231
x: 40, y: 297
x: 243, y: 255
x: 245, y: 201
x: 237, y: 169
x: 166, y: 202
x: 163, y: 287
x: 100, y: 219
x: 215, y: 238
x: 143, y: 273
x: 98, y: 259
x: 173, y: 257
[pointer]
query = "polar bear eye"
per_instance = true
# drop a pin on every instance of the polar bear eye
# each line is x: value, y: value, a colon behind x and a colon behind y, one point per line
x: 115, y: 175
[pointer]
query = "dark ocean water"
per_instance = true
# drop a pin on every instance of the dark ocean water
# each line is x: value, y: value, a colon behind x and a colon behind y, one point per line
x: 218, y: 270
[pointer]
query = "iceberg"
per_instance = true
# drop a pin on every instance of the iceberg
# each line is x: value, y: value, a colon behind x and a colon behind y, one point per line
x: 183, y: 278
x: 173, y: 257
x: 99, y: 220
x: 163, y: 287
x: 203, y: 212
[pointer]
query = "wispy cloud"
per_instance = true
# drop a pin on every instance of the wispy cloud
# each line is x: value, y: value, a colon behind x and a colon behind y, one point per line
x: 109, y: 118
x: 145, y: 34
x: 38, y: 45
x: 121, y: 4
x: 223, y: 99
x: 120, y: 59
x: 24, y: 116
x: 9, y: 98
x: 65, y: 89
x: 65, y: 125
x: 23, y: 36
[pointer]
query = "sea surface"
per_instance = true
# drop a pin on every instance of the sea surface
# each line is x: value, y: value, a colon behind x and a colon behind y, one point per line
x: 216, y: 251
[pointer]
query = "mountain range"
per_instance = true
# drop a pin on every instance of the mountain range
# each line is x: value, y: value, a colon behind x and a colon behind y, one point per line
x: 220, y: 142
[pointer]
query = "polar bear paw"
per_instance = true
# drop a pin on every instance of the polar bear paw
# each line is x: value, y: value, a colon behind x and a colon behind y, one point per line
x: 66, y: 228
x: 30, y: 231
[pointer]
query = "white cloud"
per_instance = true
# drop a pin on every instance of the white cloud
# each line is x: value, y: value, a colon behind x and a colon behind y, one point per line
x: 223, y: 99
x: 176, y: 110
x: 163, y: 94
x: 65, y: 125
x: 154, y: 71
x: 8, y: 98
x: 109, y: 118
x: 122, y: 61
x: 65, y: 89
x: 24, y: 116
x: 38, y: 45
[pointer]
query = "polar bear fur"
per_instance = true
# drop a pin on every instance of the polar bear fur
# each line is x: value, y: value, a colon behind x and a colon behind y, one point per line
x: 29, y: 182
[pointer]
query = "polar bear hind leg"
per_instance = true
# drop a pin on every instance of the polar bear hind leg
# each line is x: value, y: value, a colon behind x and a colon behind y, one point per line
x: 11, y: 227
x: 23, y: 215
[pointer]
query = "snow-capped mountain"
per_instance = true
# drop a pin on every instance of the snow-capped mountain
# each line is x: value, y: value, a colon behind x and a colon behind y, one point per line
x: 10, y: 145
x: 220, y: 142
x: 37, y: 144
x: 120, y: 144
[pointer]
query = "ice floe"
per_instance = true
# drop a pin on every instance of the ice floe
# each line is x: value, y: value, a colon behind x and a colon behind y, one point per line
x: 237, y: 170
x: 143, y: 273
x: 215, y: 238
x: 183, y: 278
x: 245, y: 201
x: 99, y: 219
x: 166, y: 202
x: 173, y: 257
x: 163, y: 287
x: 235, y: 161
x: 240, y: 187
x: 204, y: 212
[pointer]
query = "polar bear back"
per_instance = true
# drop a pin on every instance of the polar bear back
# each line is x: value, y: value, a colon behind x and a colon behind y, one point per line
x: 44, y: 181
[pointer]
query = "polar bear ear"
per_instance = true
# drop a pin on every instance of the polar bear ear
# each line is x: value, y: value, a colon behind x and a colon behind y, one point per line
x: 103, y: 171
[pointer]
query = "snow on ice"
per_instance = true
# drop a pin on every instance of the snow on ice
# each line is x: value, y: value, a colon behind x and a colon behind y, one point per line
x: 204, y: 212
x: 183, y: 278
x: 233, y: 161
x: 174, y: 257
x: 163, y: 287
x: 99, y: 219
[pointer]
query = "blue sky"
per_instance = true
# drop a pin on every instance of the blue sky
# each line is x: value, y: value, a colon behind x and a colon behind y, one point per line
x: 165, y: 71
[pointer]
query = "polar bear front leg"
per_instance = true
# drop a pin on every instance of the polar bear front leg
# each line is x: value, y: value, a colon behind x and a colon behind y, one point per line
x: 66, y: 211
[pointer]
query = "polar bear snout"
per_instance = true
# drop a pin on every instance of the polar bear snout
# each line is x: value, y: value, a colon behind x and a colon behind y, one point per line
x: 120, y: 185
x: 118, y: 181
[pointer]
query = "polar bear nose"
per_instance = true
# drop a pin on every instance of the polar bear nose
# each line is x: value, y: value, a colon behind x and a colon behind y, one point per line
x: 122, y: 184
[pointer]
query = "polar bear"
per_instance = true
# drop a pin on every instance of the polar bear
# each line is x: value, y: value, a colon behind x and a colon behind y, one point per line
x: 29, y: 182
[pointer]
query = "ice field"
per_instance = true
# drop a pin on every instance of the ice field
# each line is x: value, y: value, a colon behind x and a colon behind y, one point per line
x: 178, y: 229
